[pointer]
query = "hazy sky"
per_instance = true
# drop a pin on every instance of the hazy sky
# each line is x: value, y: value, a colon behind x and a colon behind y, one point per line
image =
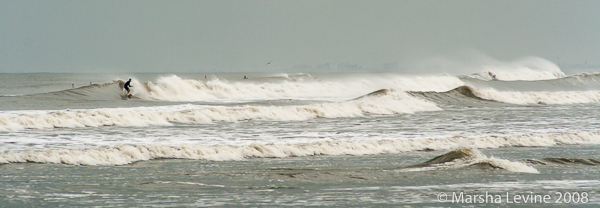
x: 224, y: 35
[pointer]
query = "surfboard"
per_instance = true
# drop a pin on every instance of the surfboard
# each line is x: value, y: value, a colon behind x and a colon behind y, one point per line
x: 126, y: 96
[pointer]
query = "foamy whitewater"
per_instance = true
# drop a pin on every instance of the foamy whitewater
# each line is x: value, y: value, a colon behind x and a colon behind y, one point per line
x: 224, y: 117
x: 523, y: 121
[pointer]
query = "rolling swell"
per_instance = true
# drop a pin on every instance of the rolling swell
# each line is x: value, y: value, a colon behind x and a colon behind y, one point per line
x: 460, y: 96
x: 566, y: 161
x: 394, y: 103
x: 470, y: 96
x: 579, y: 82
x: 466, y: 158
x: 461, y: 157
x: 583, y: 88
x: 106, y: 91
x: 377, y: 93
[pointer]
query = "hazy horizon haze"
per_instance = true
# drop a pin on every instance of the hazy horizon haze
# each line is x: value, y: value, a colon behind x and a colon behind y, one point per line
x: 242, y: 36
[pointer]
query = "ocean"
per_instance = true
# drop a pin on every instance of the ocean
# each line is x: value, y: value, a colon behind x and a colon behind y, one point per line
x: 499, y: 138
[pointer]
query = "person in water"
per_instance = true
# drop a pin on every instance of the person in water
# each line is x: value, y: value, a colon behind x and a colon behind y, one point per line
x: 127, y: 86
x: 493, y: 76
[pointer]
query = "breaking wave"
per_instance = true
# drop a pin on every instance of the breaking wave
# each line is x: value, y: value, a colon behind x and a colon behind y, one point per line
x: 297, y: 87
x: 469, y: 158
x: 579, y: 82
x: 127, y: 154
x: 524, y: 73
x: 480, y: 66
x: 433, y: 88
x: 465, y: 95
x: 563, y: 97
x: 460, y: 96
x: 383, y: 103
x: 173, y: 88
x: 582, y: 88
x: 529, y: 69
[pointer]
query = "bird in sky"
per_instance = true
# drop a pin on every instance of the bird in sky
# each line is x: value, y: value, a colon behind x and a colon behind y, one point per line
x: 268, y: 63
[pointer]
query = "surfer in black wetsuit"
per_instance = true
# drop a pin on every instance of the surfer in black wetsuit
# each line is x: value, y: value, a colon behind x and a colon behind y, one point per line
x: 493, y: 76
x: 127, y: 86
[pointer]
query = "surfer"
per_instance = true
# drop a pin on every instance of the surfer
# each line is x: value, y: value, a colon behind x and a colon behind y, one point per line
x: 493, y: 76
x: 127, y: 86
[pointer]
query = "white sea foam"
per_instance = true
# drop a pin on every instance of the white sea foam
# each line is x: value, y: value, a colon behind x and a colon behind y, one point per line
x: 174, y: 88
x: 126, y: 154
x: 508, y: 165
x: 562, y: 97
x: 390, y: 103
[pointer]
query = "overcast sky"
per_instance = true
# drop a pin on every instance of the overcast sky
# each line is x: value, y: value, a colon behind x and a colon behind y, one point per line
x: 225, y: 36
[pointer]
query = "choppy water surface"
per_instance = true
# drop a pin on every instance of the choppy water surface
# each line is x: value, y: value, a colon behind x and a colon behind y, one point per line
x: 253, y: 126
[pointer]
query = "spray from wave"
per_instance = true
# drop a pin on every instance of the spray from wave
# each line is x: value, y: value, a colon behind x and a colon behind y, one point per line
x: 481, y: 66
x: 174, y: 88
x: 530, y: 69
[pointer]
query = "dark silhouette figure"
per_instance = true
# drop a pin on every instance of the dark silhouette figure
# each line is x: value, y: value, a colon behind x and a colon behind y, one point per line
x: 493, y: 76
x: 127, y: 86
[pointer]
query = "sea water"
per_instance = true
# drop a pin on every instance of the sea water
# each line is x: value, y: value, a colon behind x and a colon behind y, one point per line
x: 274, y: 139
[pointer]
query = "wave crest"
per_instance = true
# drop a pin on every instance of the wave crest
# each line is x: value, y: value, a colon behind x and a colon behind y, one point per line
x: 391, y: 103
x: 562, y: 97
x: 126, y: 154
x: 469, y: 158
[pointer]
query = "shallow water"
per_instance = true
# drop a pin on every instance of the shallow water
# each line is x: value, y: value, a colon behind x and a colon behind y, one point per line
x: 370, y: 180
